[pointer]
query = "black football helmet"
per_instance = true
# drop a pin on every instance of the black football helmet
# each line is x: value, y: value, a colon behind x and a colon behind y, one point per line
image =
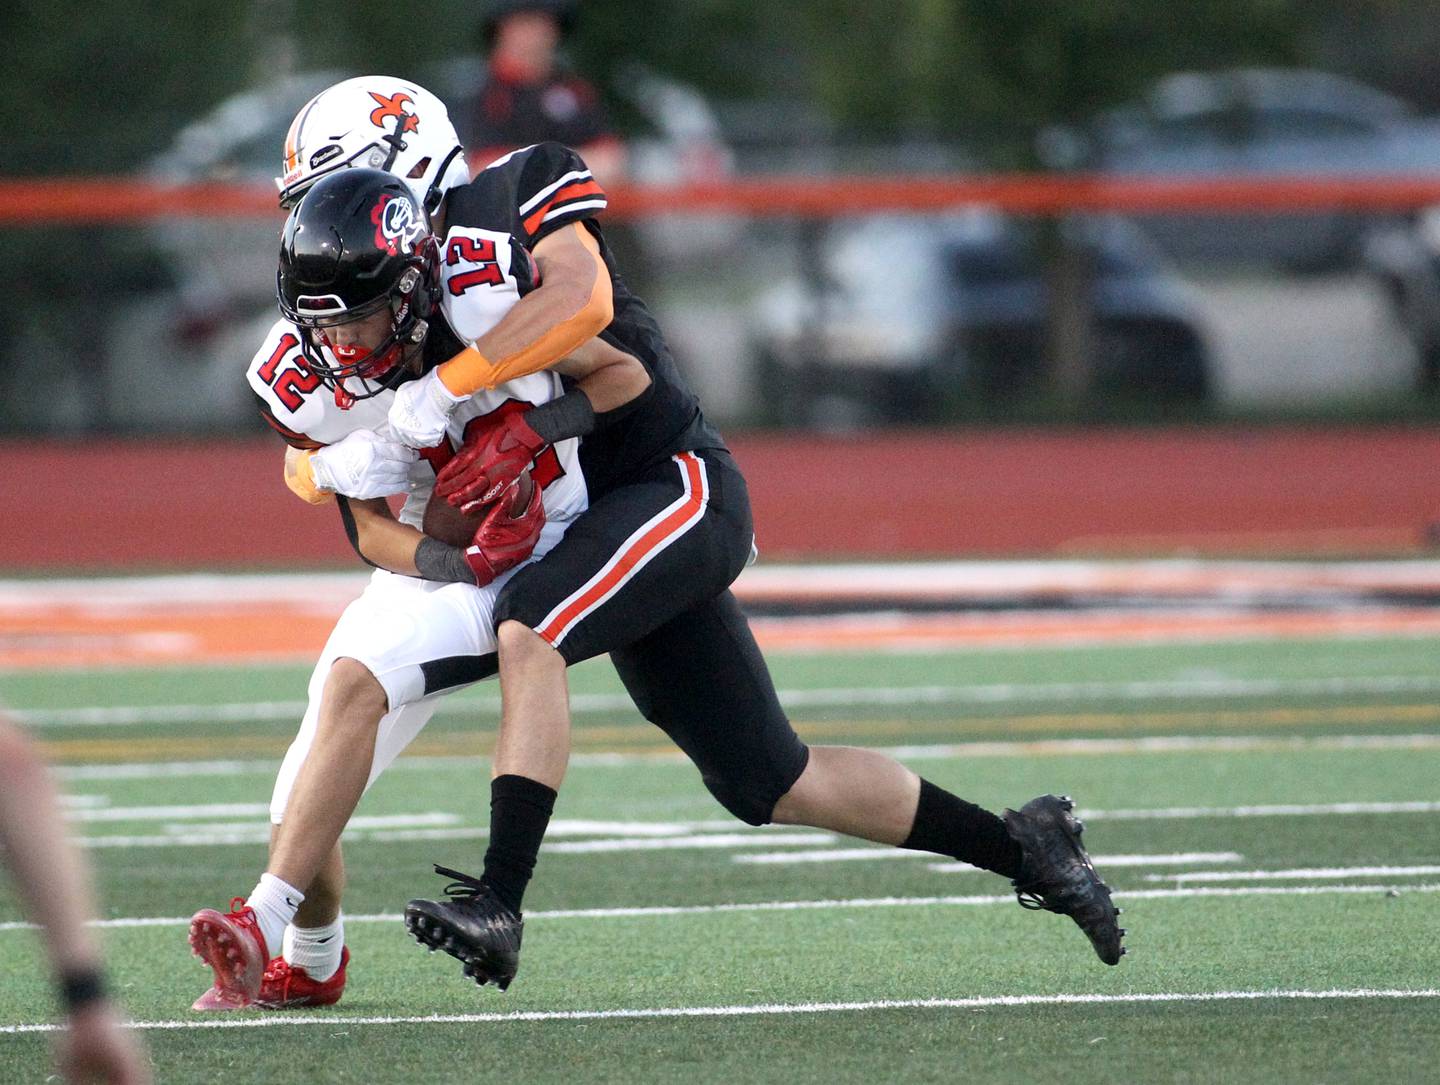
x: 356, y: 244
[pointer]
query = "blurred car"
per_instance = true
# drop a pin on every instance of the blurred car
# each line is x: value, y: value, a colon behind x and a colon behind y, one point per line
x: 1255, y: 121
x: 1404, y: 257
x: 223, y: 269
x: 901, y: 317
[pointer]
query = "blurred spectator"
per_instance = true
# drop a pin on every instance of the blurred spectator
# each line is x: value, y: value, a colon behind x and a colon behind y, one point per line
x: 54, y: 884
x: 530, y: 95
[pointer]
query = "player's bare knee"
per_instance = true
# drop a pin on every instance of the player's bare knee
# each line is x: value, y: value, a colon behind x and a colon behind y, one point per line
x: 352, y: 691
x: 518, y: 644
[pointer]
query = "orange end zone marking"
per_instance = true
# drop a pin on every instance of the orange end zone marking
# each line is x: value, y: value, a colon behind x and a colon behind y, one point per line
x: 72, y: 637
x: 66, y: 636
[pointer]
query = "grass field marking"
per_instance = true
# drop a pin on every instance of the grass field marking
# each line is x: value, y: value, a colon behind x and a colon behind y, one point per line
x: 765, y: 1009
x: 582, y: 827
x: 160, y: 770
x: 359, y: 830
x: 436, y: 825
x: 141, y: 770
x: 132, y: 715
x: 714, y: 840
x: 850, y: 855
x: 1001, y: 693
x: 1110, y: 862
x: 663, y: 910
x: 1166, y: 744
x: 170, y: 813
x: 641, y: 739
x: 1297, y: 874
x: 83, y: 802
x: 1287, y: 810
x: 442, y: 826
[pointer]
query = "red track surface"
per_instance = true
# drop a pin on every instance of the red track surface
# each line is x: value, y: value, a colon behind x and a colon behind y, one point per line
x: 1214, y: 491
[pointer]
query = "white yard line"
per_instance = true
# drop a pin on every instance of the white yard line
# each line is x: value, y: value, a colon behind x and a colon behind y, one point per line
x: 163, y: 770
x: 1065, y: 747
x: 171, y: 813
x: 1002, y: 693
x: 1108, y: 862
x: 380, y: 829
x: 1288, y: 810
x: 853, y: 855
x: 1162, y: 744
x: 715, y: 840
x: 769, y: 1009
x: 1300, y: 874
x: 658, y: 911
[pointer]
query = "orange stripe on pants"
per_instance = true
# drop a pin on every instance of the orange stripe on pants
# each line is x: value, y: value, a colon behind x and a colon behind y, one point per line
x: 654, y: 540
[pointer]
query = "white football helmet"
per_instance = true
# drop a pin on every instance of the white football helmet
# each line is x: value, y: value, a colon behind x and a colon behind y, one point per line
x: 379, y: 122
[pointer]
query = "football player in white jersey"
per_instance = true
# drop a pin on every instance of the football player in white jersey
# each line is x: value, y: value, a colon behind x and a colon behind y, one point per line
x: 371, y: 299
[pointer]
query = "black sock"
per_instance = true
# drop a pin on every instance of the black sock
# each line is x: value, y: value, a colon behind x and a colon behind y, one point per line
x: 520, y: 810
x: 951, y: 826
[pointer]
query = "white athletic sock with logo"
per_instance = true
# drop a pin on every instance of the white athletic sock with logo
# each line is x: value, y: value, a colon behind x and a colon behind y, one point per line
x: 316, y: 949
x: 275, y: 905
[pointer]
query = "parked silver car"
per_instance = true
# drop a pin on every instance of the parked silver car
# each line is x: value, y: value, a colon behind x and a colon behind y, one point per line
x: 911, y: 318
x: 1256, y: 121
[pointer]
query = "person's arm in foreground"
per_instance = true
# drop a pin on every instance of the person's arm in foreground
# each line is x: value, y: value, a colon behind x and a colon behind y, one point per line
x: 54, y: 885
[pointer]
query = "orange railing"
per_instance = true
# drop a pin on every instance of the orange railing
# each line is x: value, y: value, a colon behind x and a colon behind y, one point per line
x: 39, y: 201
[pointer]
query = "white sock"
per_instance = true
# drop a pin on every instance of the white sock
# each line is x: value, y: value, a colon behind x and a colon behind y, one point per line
x: 275, y: 904
x: 316, y: 949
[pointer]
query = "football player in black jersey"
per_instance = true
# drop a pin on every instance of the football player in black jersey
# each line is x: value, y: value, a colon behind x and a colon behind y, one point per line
x: 644, y: 575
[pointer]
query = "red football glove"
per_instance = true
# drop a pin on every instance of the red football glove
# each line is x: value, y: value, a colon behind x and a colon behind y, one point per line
x: 489, y: 464
x: 503, y: 541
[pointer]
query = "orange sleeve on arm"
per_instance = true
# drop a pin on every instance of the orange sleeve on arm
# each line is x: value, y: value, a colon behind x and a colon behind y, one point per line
x: 469, y: 371
x: 300, y: 477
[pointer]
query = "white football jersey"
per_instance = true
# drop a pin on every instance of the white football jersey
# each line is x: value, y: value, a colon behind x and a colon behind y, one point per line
x: 477, y: 289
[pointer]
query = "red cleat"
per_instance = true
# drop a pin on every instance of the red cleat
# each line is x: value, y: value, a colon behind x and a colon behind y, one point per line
x: 287, y: 986
x: 232, y: 945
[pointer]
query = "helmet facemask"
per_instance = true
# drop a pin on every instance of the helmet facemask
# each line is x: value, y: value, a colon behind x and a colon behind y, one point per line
x: 358, y: 248
x: 409, y: 303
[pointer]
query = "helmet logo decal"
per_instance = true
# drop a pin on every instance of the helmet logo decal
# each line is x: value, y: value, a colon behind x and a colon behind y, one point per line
x: 325, y: 154
x: 394, y: 106
x: 397, y: 227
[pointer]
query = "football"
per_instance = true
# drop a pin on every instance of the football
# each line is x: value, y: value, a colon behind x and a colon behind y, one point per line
x: 452, y: 526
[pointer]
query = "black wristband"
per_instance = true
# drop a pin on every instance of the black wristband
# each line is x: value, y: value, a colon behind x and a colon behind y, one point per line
x: 80, y: 987
x: 570, y: 415
x: 435, y: 560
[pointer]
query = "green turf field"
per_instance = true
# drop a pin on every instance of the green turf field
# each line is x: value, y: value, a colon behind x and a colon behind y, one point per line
x: 1269, y: 811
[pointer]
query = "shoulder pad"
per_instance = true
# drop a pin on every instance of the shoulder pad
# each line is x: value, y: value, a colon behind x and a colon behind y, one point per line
x: 483, y: 274
x: 530, y: 192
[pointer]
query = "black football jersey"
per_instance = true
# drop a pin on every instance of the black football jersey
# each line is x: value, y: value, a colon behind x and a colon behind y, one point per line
x: 530, y: 194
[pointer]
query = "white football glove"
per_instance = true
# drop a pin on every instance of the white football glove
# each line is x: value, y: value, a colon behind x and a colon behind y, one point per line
x: 422, y: 410
x: 363, y: 465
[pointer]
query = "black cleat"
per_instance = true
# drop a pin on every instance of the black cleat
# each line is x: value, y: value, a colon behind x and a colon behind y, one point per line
x: 1057, y: 875
x: 473, y: 926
